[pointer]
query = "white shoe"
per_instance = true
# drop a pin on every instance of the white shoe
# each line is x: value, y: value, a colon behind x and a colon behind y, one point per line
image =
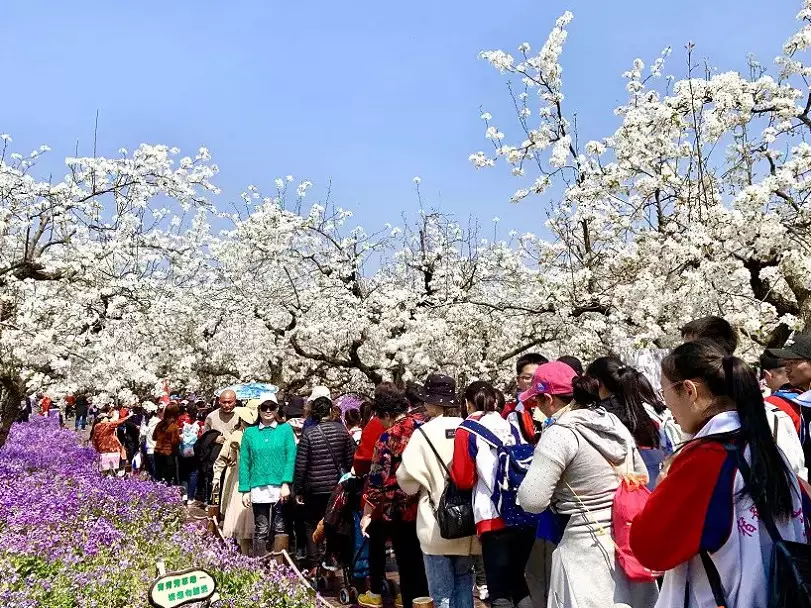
x: 481, y: 590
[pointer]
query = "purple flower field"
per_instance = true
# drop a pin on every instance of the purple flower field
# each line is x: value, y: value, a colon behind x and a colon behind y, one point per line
x: 70, y: 538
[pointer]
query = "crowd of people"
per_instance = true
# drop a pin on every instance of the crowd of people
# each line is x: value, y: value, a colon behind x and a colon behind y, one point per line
x: 584, y: 487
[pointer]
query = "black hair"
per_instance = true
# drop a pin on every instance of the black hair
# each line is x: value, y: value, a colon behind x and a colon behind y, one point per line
x: 389, y: 400
x: 629, y: 398
x: 649, y: 394
x: 714, y: 329
x: 482, y: 395
x: 366, y: 411
x: 586, y: 390
x: 529, y: 359
x: 321, y: 408
x: 735, y: 387
x: 352, y: 418
x: 573, y: 362
x: 414, y: 399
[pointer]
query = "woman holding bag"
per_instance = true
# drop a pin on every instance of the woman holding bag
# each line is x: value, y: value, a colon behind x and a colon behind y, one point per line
x: 324, y: 454
x: 574, y: 469
x: 425, y: 471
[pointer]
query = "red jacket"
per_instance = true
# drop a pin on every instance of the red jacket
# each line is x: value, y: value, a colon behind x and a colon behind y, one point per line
x: 366, y: 448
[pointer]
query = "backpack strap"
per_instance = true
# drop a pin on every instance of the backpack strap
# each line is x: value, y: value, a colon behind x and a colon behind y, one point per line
x: 483, y: 433
x: 441, y: 462
x: 746, y: 473
x: 715, y: 580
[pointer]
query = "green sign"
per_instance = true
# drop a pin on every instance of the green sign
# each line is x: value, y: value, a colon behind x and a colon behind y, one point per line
x: 180, y: 588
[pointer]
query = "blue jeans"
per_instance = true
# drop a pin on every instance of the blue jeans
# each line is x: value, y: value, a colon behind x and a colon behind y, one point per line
x: 450, y: 580
x: 81, y: 420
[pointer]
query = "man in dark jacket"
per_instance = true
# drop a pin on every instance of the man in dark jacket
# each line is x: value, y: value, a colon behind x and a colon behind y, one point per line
x: 324, y: 454
x: 81, y: 406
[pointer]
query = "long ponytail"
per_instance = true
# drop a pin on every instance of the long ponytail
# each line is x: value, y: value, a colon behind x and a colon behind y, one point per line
x: 735, y: 387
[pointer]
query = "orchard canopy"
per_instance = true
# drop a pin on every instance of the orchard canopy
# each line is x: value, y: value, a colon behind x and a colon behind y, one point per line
x: 132, y: 269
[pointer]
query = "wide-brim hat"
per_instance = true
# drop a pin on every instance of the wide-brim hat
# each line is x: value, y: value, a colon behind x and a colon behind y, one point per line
x: 246, y: 414
x: 439, y: 389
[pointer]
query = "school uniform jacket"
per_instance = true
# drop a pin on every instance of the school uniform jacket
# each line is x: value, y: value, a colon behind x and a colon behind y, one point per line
x: 699, y: 507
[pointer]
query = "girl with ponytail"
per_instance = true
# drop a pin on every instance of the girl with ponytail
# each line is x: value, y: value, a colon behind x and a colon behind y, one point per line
x: 702, y: 509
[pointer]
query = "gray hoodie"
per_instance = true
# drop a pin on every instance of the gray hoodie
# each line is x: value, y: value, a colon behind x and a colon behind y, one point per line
x: 577, y: 463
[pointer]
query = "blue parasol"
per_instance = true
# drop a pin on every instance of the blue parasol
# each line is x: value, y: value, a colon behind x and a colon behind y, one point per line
x: 251, y: 390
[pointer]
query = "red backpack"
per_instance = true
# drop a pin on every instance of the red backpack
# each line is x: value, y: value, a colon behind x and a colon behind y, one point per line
x: 629, y: 501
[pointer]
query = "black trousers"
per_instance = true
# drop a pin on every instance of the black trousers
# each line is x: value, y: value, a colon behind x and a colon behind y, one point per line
x: 505, y: 554
x: 407, y: 552
x: 315, y: 505
x: 166, y: 469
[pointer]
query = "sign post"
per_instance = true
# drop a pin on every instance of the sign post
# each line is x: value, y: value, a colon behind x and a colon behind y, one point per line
x: 180, y: 588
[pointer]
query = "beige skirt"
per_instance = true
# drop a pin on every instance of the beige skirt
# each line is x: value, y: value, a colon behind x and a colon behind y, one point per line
x: 237, y: 519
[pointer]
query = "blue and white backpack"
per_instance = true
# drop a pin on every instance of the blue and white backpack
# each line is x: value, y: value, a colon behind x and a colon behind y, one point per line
x: 513, y: 463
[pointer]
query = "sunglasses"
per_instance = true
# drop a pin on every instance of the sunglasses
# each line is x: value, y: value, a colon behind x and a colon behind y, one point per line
x: 268, y: 408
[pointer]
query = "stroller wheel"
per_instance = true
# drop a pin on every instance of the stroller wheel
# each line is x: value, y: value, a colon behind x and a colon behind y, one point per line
x: 353, y: 595
x: 344, y: 596
x: 322, y: 583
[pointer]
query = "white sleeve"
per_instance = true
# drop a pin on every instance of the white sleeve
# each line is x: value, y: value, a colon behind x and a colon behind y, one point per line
x: 786, y: 438
x: 555, y: 450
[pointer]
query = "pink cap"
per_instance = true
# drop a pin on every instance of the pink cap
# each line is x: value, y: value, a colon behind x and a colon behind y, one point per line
x: 554, y: 378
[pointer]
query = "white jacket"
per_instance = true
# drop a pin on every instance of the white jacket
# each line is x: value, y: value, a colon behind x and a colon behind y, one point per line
x: 742, y: 560
x: 421, y: 472
x: 785, y: 436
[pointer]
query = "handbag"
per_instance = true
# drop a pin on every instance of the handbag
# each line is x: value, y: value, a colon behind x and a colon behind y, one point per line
x: 454, y: 513
x: 789, y: 576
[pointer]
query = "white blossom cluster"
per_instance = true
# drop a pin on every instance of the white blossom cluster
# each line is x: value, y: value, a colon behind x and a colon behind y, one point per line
x: 130, y: 271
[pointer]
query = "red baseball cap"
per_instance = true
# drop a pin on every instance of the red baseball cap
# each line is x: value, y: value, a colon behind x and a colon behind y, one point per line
x: 554, y: 378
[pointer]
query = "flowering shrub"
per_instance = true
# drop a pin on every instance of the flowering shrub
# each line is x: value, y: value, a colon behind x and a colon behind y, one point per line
x: 71, y: 538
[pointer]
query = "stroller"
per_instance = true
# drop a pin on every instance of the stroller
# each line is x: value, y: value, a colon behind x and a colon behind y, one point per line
x: 341, y: 526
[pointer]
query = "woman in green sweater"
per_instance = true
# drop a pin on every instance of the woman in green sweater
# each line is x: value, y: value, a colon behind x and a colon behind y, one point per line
x: 267, y: 460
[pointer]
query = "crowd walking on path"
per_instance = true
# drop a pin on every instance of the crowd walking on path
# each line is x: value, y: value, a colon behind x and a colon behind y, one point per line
x: 582, y: 487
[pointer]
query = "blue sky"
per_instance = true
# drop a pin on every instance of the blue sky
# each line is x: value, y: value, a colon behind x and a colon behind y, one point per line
x: 365, y: 94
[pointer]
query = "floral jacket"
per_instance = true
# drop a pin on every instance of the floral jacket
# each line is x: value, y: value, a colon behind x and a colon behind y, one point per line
x: 382, y: 491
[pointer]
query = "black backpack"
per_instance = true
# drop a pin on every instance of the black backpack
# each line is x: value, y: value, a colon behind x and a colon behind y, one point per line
x: 454, y: 513
x: 789, y: 576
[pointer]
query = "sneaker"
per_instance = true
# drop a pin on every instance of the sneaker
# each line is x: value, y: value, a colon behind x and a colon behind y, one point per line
x: 481, y: 591
x: 370, y: 600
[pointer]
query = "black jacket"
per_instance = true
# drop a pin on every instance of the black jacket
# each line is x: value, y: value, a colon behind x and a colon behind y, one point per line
x: 324, y: 453
x: 81, y: 406
x: 207, y: 450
